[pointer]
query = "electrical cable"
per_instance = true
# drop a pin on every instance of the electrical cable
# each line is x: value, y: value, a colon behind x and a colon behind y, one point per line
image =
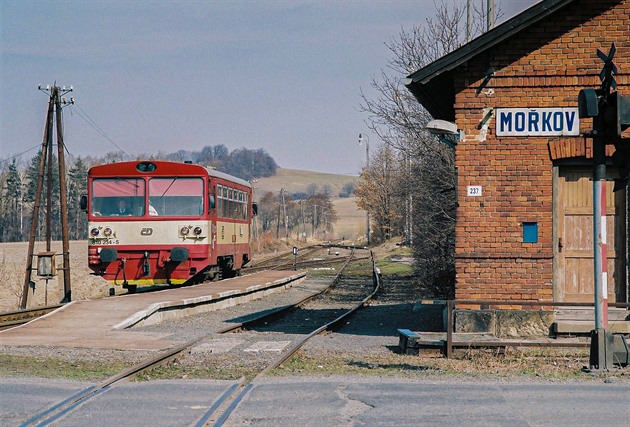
x: 81, y: 113
x: 7, y: 160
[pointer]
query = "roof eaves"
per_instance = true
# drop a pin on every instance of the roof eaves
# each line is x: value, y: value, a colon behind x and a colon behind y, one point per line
x: 486, y: 41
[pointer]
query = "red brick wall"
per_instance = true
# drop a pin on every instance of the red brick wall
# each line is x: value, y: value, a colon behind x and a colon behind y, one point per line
x: 543, y: 66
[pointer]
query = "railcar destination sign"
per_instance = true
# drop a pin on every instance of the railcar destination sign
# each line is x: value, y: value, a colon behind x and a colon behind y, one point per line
x: 537, y: 122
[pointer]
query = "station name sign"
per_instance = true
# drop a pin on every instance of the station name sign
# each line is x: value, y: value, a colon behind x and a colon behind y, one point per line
x: 537, y: 122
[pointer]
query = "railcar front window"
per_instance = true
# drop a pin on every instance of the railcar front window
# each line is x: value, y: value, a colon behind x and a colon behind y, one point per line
x: 118, y: 197
x: 176, y: 196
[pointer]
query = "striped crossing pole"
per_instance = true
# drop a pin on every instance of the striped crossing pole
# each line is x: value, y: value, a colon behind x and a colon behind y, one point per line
x: 594, y: 103
x: 600, y: 252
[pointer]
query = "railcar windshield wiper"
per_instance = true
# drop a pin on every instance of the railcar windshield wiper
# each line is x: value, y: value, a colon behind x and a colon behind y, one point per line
x: 169, y: 186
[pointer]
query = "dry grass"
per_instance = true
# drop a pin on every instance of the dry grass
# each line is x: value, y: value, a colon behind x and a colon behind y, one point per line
x: 351, y: 220
x: 297, y: 181
x: 350, y: 224
x: 543, y: 364
x: 13, y: 266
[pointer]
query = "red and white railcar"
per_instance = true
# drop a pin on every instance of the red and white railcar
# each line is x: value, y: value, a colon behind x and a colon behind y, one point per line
x: 158, y: 222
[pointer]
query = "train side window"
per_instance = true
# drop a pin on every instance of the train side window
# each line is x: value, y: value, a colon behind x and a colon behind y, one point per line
x: 226, y: 203
x: 245, y: 205
x: 235, y: 205
x: 219, y: 200
x: 211, y: 201
x: 240, y: 205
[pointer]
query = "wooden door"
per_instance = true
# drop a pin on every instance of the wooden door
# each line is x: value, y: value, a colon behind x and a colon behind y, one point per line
x: 574, y: 249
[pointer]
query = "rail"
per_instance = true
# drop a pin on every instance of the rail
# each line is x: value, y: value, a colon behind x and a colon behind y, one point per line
x: 450, y: 323
x: 246, y: 386
x: 51, y: 414
x: 279, y: 311
x: 11, y: 319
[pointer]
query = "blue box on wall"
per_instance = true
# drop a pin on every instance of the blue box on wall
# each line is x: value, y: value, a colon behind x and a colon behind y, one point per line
x: 530, y: 232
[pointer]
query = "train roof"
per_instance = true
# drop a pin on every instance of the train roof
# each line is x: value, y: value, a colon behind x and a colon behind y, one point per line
x: 217, y: 174
x: 131, y: 168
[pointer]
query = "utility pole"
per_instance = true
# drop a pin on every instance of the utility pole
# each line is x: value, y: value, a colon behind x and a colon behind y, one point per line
x: 489, y: 14
x: 286, y: 218
x: 367, y: 167
x: 54, y: 111
x: 468, y: 20
x: 410, y: 207
x: 278, y: 217
x: 303, y: 219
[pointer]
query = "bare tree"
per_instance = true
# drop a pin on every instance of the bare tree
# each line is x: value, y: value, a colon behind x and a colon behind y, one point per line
x: 424, y: 183
x: 377, y: 194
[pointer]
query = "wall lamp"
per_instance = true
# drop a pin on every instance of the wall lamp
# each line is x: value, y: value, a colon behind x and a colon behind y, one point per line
x: 446, y: 132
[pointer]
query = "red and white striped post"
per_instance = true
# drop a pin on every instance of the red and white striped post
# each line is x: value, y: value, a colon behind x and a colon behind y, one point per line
x: 600, y: 250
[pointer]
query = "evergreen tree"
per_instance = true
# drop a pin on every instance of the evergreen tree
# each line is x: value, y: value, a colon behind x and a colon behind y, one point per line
x: 12, y: 203
x: 77, y: 186
x: 32, y: 175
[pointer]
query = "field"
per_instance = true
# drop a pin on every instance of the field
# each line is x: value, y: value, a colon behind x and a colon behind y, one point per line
x: 351, y: 222
x: 297, y: 181
x: 13, y: 267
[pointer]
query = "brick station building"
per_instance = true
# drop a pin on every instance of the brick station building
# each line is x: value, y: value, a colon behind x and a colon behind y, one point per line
x: 524, y: 226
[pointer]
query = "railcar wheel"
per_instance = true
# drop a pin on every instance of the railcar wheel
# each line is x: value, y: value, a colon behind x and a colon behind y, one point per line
x: 211, y: 275
x: 132, y: 288
x: 228, y: 273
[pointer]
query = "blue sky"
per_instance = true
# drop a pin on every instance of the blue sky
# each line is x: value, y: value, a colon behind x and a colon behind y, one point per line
x: 284, y: 76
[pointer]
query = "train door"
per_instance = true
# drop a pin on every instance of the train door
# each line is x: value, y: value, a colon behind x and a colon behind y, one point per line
x: 574, y: 273
x: 212, y: 217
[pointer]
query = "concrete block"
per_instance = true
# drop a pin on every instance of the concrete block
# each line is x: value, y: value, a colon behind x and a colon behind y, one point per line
x: 523, y: 323
x: 477, y: 321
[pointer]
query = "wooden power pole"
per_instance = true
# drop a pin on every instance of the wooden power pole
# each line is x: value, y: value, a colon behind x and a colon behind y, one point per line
x: 54, y: 111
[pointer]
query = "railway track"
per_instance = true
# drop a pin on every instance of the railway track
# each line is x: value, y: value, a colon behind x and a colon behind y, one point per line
x: 227, y: 402
x: 287, y: 259
x: 221, y: 411
x: 284, y: 261
x: 12, y: 319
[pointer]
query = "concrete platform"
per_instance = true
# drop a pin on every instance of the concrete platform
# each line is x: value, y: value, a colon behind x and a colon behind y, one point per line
x: 567, y: 327
x: 581, y: 321
x: 410, y: 342
x: 104, y: 323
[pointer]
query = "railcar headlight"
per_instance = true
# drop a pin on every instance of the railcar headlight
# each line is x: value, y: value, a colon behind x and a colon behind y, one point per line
x: 94, y: 232
x: 198, y: 230
x: 184, y: 231
x: 107, y: 232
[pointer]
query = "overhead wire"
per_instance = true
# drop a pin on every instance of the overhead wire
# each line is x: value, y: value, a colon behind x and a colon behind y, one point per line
x: 85, y: 116
x: 7, y: 160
